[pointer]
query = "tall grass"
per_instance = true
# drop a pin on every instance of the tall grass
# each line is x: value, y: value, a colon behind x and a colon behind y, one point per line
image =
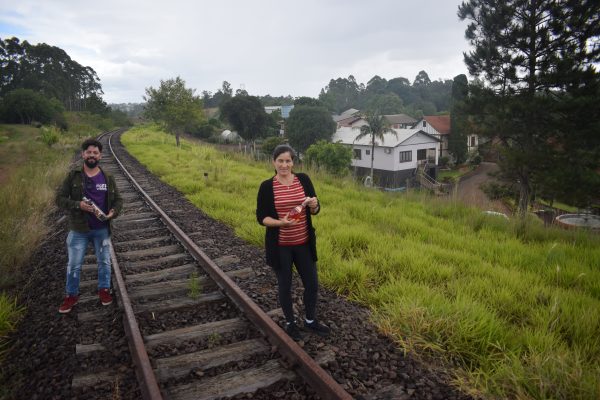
x: 9, y: 315
x: 31, y: 173
x: 26, y: 199
x: 515, y: 306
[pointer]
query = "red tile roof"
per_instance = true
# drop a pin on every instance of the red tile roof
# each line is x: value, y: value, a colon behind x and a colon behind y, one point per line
x: 440, y: 123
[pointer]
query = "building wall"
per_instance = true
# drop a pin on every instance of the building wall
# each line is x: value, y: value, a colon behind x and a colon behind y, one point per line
x: 388, y: 158
x: 443, y: 149
x: 387, y: 179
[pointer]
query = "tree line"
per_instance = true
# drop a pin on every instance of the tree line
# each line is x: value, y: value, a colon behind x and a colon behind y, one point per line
x: 39, y: 82
x: 398, y: 95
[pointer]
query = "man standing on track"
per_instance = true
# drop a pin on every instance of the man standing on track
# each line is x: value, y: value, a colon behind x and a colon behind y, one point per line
x: 86, y: 222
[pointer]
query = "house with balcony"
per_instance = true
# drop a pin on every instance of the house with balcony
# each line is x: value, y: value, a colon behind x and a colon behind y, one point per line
x: 439, y: 126
x: 396, y: 157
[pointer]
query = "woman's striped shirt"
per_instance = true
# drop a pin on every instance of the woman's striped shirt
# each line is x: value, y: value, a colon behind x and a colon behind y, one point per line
x: 286, y: 198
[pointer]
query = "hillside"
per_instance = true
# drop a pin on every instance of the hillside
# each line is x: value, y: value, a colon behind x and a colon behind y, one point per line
x: 515, y: 307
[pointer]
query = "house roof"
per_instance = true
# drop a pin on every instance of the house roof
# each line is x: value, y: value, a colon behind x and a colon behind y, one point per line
x: 346, y: 114
x: 347, y: 135
x: 440, y: 123
x: 400, y: 119
x: 348, y: 121
x: 350, y: 111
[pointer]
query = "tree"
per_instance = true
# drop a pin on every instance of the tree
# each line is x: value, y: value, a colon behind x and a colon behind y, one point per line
x: 341, y: 94
x: 421, y: 79
x: 308, y: 124
x: 377, y: 85
x: 401, y: 87
x: 24, y: 106
x: 377, y: 126
x: 308, y: 101
x: 47, y: 70
x: 386, y: 104
x: 268, y: 145
x: 246, y: 115
x: 457, y: 141
x: 174, y: 106
x: 535, y: 59
x: 333, y: 157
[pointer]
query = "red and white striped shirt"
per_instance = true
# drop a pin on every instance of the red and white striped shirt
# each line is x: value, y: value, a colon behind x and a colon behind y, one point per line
x: 286, y: 198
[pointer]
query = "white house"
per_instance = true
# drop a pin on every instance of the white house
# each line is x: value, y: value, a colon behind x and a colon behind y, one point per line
x: 437, y: 126
x: 396, y: 121
x: 396, y: 157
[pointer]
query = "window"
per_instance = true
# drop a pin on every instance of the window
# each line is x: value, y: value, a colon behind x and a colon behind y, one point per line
x: 368, y: 152
x: 357, y: 154
x: 472, y: 141
x: 405, y: 156
x: 424, y: 123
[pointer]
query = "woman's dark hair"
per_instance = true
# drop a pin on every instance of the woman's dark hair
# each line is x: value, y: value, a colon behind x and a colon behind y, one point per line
x: 91, y: 142
x: 283, y: 148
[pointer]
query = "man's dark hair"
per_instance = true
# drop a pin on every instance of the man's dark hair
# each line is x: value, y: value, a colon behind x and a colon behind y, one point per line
x: 91, y: 142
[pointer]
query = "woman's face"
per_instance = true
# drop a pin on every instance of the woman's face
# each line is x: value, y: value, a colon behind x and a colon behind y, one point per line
x: 283, y: 164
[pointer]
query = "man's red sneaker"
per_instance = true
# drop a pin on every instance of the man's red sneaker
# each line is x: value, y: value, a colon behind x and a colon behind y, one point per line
x: 67, y: 304
x: 105, y: 296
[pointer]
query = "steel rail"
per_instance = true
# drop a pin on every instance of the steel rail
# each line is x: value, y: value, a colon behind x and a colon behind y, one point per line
x: 323, y: 384
x: 143, y: 368
x: 144, y: 372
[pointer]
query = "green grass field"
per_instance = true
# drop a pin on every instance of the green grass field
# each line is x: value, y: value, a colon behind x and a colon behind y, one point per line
x: 516, y: 307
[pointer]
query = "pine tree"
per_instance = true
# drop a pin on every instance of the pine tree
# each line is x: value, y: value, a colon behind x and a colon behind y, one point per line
x: 535, y: 61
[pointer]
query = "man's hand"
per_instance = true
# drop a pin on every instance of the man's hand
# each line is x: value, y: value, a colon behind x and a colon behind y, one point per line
x: 86, y: 207
x: 111, y: 213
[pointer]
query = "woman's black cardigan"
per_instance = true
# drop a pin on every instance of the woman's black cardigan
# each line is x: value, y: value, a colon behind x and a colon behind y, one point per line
x: 265, y: 207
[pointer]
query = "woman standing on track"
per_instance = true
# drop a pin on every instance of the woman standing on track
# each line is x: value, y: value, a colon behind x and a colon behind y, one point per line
x: 291, y: 240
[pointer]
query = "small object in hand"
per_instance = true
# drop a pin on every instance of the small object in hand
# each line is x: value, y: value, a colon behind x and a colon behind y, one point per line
x: 296, y: 212
x: 97, y: 211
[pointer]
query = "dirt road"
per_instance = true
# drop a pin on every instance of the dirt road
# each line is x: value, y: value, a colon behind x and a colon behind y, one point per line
x: 469, y: 191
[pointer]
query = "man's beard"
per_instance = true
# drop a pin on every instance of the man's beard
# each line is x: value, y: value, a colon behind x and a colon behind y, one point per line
x: 91, y: 162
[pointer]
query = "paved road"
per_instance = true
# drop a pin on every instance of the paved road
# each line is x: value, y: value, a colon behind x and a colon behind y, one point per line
x: 470, y: 193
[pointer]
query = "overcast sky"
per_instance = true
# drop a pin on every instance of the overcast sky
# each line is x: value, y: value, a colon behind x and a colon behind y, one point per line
x: 266, y: 47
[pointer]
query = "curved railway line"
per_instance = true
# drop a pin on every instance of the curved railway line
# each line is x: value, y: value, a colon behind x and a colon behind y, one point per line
x: 158, y: 269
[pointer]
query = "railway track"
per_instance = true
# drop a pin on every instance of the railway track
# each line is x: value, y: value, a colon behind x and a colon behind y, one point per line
x: 192, y: 333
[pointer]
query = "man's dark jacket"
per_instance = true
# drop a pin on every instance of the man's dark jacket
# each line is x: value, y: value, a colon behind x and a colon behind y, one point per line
x: 265, y: 207
x: 71, y: 192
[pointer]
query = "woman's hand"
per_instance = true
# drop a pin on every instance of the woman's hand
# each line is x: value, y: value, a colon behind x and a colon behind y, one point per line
x: 287, y: 222
x: 313, y: 204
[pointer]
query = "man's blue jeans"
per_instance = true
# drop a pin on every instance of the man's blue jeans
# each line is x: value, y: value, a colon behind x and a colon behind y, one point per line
x: 77, y: 243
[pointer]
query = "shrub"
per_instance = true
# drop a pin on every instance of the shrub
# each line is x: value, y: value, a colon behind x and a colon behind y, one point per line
x: 204, y: 130
x: 476, y: 160
x: 24, y: 106
x: 333, y: 157
x: 49, y: 135
x: 443, y: 161
x: 496, y: 191
x: 269, y: 144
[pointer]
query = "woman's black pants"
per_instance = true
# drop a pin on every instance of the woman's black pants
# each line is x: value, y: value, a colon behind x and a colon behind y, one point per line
x: 307, y: 269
